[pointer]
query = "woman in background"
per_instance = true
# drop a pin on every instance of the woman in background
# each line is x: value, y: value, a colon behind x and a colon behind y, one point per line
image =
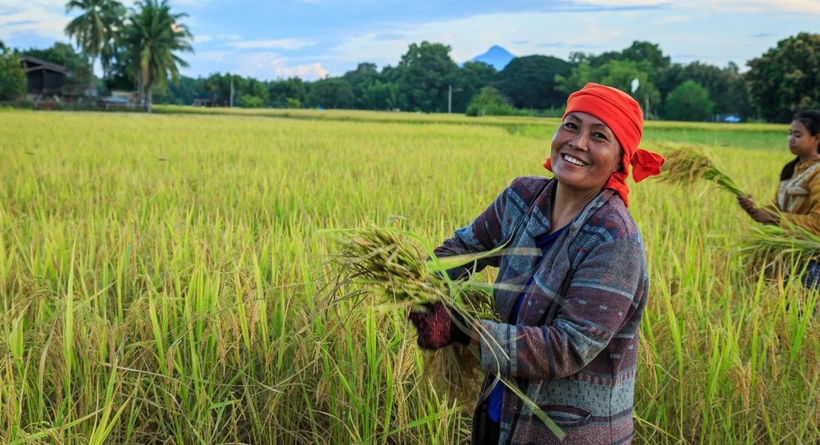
x: 798, y: 194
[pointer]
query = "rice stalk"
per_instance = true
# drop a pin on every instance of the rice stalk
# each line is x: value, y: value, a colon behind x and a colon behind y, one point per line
x: 687, y: 165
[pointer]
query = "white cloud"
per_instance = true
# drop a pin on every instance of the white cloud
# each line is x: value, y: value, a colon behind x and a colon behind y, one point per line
x: 212, y: 56
x: 265, y: 65
x: 271, y: 44
x: 764, y: 6
x: 37, y: 18
x: 467, y: 41
x: 804, y: 6
x: 187, y: 3
x: 619, y: 3
x: 671, y: 19
x: 203, y: 39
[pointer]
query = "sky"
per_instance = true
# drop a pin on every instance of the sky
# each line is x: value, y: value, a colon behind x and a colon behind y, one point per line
x: 270, y: 39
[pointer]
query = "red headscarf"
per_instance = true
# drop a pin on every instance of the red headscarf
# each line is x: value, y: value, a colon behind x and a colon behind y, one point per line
x: 622, y: 114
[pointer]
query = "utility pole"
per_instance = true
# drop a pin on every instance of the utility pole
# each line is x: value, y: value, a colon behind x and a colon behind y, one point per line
x: 450, y: 99
x: 231, y: 100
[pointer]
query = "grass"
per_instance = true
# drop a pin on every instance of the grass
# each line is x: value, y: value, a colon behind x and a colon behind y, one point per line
x: 161, y: 281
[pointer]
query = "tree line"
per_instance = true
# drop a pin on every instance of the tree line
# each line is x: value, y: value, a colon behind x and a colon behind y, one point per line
x: 140, y: 48
x: 779, y: 83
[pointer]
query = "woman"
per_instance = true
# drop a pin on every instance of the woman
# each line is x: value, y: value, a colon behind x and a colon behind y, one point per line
x: 798, y: 195
x: 569, y: 336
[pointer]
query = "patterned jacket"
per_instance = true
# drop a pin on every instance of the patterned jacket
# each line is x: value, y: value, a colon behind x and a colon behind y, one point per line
x: 799, y: 197
x: 573, y: 349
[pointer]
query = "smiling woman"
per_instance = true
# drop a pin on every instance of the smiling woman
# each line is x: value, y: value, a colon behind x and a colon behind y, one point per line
x: 570, y: 315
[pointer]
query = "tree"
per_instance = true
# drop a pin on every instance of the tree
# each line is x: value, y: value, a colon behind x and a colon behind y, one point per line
x: 737, y: 98
x: 281, y: 90
x: 255, y: 88
x: 380, y: 95
x: 250, y: 101
x: 12, y: 76
x: 689, y: 102
x: 183, y: 93
x: 595, y: 61
x: 726, y: 86
x: 153, y: 37
x: 490, y: 102
x: 95, y: 30
x: 530, y: 81
x: 642, y: 51
x: 618, y: 74
x: 361, y: 79
x: 218, y: 86
x: 332, y: 93
x: 784, y: 80
x: 2, y: 46
x: 472, y: 77
x: 424, y: 76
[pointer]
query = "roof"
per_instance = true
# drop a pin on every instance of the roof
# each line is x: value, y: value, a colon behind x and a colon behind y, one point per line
x: 42, y: 64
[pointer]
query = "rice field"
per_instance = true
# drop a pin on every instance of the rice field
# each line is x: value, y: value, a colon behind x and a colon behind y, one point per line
x: 163, y: 280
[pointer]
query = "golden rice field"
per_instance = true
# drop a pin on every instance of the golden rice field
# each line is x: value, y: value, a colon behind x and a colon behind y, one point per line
x: 161, y: 280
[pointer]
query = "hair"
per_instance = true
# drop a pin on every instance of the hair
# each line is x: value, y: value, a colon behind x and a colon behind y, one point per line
x: 811, y: 119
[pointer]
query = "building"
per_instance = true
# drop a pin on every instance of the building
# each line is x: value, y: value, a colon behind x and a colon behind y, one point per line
x: 43, y: 78
x: 48, y: 81
x: 204, y: 102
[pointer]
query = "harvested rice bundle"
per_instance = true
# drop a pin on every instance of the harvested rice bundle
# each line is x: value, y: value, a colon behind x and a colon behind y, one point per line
x: 780, y: 251
x: 686, y: 165
x: 386, y: 263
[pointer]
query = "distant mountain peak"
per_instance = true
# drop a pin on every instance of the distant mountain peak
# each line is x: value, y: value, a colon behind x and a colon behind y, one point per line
x: 496, y: 56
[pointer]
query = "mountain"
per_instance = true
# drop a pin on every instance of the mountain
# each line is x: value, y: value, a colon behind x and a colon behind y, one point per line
x: 495, y: 56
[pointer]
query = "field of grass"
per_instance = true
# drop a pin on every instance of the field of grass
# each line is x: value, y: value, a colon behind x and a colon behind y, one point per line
x: 161, y: 280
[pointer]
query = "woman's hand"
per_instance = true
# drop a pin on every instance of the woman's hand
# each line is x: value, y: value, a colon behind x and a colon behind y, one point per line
x: 440, y: 326
x: 746, y: 203
x: 762, y: 215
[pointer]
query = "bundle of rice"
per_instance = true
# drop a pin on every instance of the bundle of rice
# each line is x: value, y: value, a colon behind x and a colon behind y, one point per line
x: 779, y: 251
x: 386, y: 263
x: 686, y: 165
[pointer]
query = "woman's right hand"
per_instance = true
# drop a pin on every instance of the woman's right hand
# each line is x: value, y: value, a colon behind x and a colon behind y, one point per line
x: 747, y: 203
x: 439, y: 326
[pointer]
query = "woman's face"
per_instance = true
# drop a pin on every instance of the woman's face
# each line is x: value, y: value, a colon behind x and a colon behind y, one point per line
x: 801, y: 142
x: 584, y: 153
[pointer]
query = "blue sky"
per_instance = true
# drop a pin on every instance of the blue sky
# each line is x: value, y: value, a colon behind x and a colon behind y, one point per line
x: 313, y: 38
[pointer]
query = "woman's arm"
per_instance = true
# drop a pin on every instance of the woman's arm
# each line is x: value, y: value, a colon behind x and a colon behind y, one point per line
x: 486, y: 232
x: 600, y: 299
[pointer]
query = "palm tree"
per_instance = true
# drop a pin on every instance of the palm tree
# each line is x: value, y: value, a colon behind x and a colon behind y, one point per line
x: 152, y: 37
x: 95, y: 30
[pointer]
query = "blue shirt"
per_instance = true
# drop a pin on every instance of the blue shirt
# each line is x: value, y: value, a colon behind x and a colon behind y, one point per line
x: 544, y: 242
